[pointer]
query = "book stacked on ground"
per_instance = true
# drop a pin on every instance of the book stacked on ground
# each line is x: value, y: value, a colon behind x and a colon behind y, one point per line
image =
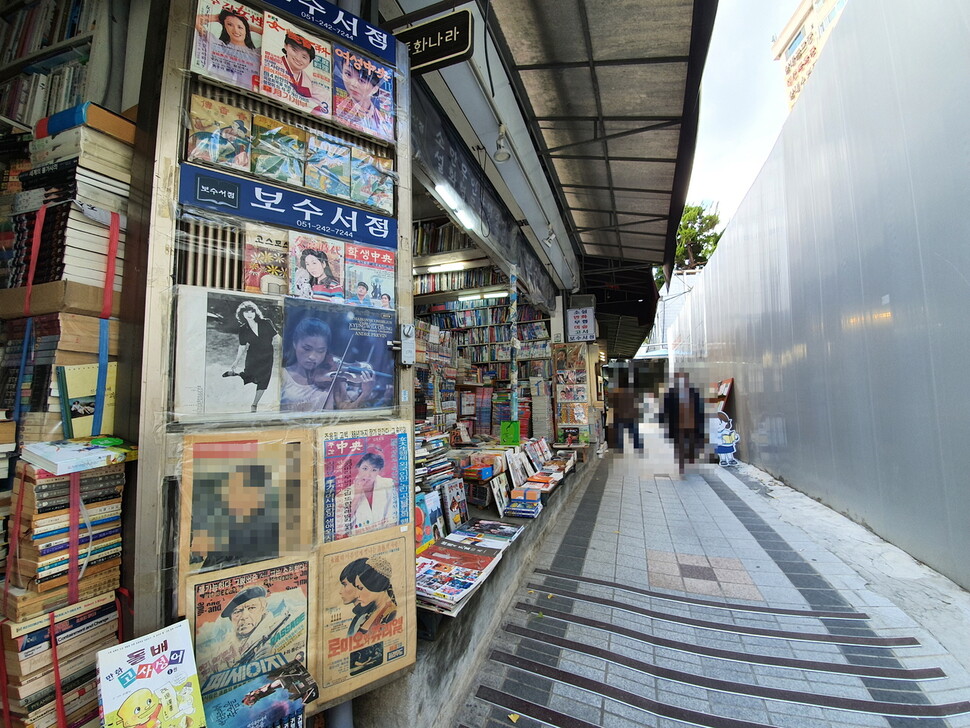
x: 8, y: 449
x: 4, y: 532
x: 14, y: 159
x: 431, y: 466
x: 45, y: 539
x: 524, y: 503
x: 58, y: 339
x: 448, y: 573
x: 79, y: 630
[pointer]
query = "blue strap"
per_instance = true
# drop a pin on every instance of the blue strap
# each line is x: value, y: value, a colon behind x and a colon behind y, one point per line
x: 102, y: 377
x: 21, y: 372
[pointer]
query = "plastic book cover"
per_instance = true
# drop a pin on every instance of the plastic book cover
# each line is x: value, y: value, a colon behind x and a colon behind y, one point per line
x: 363, y: 94
x: 369, y: 276
x: 367, y: 592
x: 84, y: 453
x: 316, y: 267
x: 296, y: 68
x: 218, y: 134
x: 77, y: 390
x: 328, y: 165
x: 278, y: 150
x: 571, y: 393
x: 227, y: 353
x: 227, y: 41
x: 266, y: 259
x: 571, y: 414
x: 151, y: 681
x: 365, y: 477
x: 248, y: 623
x: 372, y: 180
x: 336, y: 357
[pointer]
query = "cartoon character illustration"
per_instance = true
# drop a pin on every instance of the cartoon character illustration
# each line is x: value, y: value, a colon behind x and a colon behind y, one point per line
x: 141, y: 709
x: 725, y: 440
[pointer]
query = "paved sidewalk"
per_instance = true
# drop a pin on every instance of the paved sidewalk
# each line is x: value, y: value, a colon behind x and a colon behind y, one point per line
x: 719, y: 600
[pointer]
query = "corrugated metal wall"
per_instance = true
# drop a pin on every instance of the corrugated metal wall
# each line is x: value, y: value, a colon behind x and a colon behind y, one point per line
x: 839, y: 297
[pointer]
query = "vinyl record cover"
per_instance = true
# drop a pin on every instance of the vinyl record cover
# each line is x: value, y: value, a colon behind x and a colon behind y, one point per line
x: 316, y: 267
x: 218, y: 134
x: 363, y: 94
x: 266, y: 259
x: 227, y: 41
x: 296, y: 67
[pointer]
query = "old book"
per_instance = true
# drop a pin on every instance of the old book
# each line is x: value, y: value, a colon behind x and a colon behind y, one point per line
x: 219, y: 133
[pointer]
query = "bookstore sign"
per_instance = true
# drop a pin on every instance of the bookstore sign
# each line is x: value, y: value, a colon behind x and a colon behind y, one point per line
x: 580, y: 324
x: 440, y: 42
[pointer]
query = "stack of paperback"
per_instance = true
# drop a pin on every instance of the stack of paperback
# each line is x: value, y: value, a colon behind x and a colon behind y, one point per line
x: 14, y: 159
x: 8, y: 447
x: 79, y: 630
x: 448, y: 572
x: 524, y: 503
x: 431, y: 466
x: 4, y: 532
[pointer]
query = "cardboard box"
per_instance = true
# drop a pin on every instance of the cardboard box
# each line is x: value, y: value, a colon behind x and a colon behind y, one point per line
x: 56, y: 297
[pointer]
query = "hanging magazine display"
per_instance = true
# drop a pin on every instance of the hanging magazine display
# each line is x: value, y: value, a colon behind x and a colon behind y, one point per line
x: 219, y: 133
x: 369, y: 276
x: 316, y: 267
x: 365, y: 477
x: 296, y: 67
x: 266, y: 259
x: 278, y: 150
x: 328, y: 165
x: 227, y: 42
x: 363, y: 94
x: 368, y: 602
x: 336, y: 357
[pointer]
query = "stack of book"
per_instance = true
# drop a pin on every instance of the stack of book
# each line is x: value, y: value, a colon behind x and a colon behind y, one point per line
x: 4, y: 532
x: 80, y: 631
x: 449, y: 572
x: 14, y: 159
x: 483, y: 532
x: 8, y: 448
x: 524, y: 503
x: 431, y: 466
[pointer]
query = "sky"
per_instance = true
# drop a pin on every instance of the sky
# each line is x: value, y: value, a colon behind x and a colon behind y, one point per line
x: 743, y: 105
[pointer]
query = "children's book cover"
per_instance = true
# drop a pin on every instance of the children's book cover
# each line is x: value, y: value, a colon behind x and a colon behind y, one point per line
x: 369, y: 276
x: 363, y: 94
x: 297, y: 68
x: 328, y: 165
x: 227, y: 42
x: 570, y: 413
x: 316, y: 267
x: 151, y: 681
x: 372, y: 180
x: 218, y: 133
x: 266, y: 259
x: 278, y: 151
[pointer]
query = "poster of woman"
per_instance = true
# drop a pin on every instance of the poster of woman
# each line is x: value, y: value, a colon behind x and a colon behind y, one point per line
x: 228, y: 38
x: 296, y: 67
x: 363, y: 94
x: 316, y: 267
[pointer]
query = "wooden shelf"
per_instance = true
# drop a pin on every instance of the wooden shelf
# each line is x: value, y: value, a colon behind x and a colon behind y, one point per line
x: 19, y: 64
x: 452, y: 256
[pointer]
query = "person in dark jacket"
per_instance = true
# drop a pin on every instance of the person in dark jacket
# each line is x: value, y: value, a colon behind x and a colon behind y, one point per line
x: 683, y: 413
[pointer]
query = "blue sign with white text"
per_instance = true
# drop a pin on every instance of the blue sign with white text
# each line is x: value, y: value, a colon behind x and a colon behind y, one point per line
x: 369, y: 38
x: 263, y: 202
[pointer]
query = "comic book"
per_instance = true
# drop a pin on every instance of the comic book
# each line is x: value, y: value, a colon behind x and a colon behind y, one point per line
x: 296, y: 67
x: 226, y: 43
x: 316, y: 267
x: 278, y: 150
x: 363, y: 94
x: 218, y: 134
x: 266, y: 259
x: 151, y: 680
x: 328, y: 165
x: 366, y: 479
x: 455, y: 504
x: 372, y: 180
x: 369, y: 276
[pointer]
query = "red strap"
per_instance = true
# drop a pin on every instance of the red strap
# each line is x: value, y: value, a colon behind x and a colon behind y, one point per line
x: 13, y: 538
x: 74, y: 535
x: 34, y: 250
x: 3, y: 686
x: 109, y: 268
x: 58, y: 692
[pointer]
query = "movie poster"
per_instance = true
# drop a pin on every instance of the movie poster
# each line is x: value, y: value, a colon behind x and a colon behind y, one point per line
x: 244, y: 497
x: 227, y: 42
x: 227, y: 353
x: 153, y: 675
x: 266, y: 259
x: 366, y: 484
x: 336, y: 357
x: 363, y: 94
x: 296, y: 67
x: 367, y: 592
x: 316, y: 267
x: 369, y: 276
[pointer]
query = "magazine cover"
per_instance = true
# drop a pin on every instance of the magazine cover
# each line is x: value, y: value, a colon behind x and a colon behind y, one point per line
x: 296, y: 67
x: 570, y: 392
x: 576, y: 435
x: 266, y: 259
x: 336, y: 357
x: 369, y: 276
x: 244, y: 498
x: 456, y: 506
x: 367, y: 592
x: 227, y: 41
x: 218, y: 133
x: 571, y: 414
x: 227, y: 353
x: 328, y: 165
x: 151, y: 682
x: 429, y: 520
x: 278, y: 150
x: 372, y: 180
x: 363, y: 94
x: 254, y: 619
x: 316, y: 267
x: 366, y: 484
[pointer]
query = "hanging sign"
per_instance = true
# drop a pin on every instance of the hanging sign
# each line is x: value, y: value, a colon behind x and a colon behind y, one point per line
x: 440, y: 42
x: 580, y: 324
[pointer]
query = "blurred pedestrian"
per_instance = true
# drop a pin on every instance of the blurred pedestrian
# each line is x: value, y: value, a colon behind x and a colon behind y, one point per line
x: 683, y: 413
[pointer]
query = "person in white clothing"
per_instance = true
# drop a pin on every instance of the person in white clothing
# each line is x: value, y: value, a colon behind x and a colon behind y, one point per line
x: 374, y: 497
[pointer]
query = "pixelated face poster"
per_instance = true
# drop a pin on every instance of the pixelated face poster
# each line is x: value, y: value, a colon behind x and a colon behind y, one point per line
x: 246, y: 497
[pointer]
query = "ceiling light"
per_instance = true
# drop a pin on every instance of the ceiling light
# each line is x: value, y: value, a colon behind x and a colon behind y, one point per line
x: 447, y: 267
x: 502, y: 152
x: 447, y: 195
x: 495, y: 294
x: 465, y: 218
x: 471, y: 297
